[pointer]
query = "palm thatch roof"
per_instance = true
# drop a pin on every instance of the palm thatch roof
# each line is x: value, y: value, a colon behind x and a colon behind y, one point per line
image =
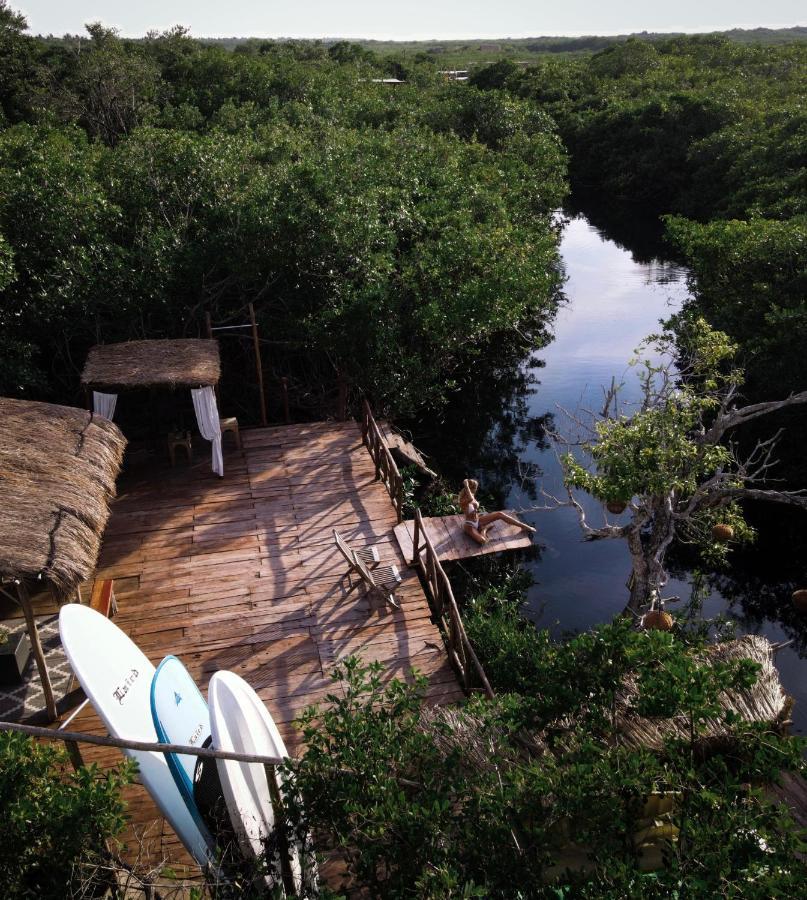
x: 455, y: 730
x: 58, y: 467
x: 765, y: 702
x: 180, y: 363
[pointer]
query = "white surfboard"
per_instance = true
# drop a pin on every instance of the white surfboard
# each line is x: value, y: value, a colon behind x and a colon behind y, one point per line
x: 116, y: 677
x: 241, y: 723
x: 180, y: 716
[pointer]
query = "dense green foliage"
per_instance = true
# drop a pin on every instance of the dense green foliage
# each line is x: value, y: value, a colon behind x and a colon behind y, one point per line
x: 752, y: 282
x: 714, y: 131
x: 389, y: 234
x: 55, y: 821
x: 533, y: 794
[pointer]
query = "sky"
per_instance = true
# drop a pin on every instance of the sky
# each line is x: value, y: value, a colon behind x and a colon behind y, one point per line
x: 407, y: 19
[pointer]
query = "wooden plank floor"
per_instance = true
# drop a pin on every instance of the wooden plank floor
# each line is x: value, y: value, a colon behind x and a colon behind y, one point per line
x: 451, y: 542
x: 241, y: 573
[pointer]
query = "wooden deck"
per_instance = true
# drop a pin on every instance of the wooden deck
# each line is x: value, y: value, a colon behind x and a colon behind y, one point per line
x: 242, y: 573
x: 451, y: 542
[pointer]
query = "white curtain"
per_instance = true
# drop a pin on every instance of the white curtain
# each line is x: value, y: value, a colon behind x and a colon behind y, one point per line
x: 104, y: 404
x: 207, y: 417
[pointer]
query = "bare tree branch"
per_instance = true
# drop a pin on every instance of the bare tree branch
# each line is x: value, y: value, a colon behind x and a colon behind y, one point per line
x: 734, y: 417
x: 789, y: 498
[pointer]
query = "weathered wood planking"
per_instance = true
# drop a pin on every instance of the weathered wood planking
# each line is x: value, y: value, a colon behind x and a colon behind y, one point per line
x: 242, y: 574
x: 451, y: 542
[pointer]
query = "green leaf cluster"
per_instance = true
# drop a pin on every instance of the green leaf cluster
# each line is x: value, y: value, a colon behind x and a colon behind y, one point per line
x: 55, y: 820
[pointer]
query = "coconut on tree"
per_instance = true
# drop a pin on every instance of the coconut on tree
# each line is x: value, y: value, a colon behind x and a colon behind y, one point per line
x: 672, y: 461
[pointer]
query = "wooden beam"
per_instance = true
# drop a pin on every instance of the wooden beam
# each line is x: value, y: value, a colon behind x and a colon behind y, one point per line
x: 342, y: 402
x: 258, y: 364
x: 284, y: 392
x: 36, y: 647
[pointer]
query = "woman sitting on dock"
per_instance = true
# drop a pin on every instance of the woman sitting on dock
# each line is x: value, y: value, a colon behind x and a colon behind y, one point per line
x: 477, y: 526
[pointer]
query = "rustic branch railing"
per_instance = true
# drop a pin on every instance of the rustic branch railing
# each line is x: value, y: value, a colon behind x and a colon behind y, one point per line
x: 385, y: 468
x: 459, y: 647
x: 56, y: 734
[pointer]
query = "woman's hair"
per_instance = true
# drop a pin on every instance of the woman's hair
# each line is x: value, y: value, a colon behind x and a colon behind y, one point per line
x: 469, y: 488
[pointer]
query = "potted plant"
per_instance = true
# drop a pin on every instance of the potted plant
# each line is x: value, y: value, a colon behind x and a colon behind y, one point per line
x: 15, y: 651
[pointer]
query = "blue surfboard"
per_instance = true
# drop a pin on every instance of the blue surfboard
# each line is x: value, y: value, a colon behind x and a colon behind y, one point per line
x: 180, y: 717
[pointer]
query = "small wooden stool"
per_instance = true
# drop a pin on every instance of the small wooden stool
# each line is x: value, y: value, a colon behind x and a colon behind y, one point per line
x: 179, y: 439
x: 231, y: 425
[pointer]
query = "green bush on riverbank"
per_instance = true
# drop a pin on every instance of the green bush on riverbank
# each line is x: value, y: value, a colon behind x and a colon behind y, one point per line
x: 715, y: 132
x: 534, y: 794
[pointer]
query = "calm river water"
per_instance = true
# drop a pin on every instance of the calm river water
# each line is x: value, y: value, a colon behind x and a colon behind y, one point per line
x: 612, y: 302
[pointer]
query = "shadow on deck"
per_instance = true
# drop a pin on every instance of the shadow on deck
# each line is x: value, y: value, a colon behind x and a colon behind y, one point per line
x: 242, y: 573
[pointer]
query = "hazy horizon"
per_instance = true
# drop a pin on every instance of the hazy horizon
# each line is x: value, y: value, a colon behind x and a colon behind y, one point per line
x: 421, y: 20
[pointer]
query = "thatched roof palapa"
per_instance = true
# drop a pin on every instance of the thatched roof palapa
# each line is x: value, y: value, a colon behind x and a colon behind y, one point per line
x: 179, y: 363
x: 58, y: 467
x: 455, y: 730
x: 764, y: 702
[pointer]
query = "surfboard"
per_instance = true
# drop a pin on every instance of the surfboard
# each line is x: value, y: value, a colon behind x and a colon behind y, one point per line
x: 241, y: 723
x: 180, y: 716
x: 116, y: 677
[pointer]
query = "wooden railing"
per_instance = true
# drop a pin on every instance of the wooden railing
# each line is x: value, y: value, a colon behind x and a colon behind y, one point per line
x: 385, y: 468
x: 459, y: 647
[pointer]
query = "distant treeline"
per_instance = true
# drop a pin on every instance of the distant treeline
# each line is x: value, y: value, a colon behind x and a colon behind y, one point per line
x: 534, y: 45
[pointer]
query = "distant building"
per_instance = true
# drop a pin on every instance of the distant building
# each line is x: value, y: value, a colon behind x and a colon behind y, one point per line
x: 455, y: 74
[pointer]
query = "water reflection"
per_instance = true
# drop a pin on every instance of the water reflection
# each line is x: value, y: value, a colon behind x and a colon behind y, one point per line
x: 497, y: 431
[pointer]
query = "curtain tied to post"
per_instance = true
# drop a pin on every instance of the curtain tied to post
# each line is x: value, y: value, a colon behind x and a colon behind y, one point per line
x: 207, y: 418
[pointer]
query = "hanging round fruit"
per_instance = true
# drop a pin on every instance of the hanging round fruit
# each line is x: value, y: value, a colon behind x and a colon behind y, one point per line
x: 657, y: 619
x: 799, y: 599
x: 722, y: 532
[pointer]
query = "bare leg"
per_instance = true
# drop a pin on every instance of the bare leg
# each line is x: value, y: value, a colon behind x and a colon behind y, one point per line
x: 489, y: 518
x: 479, y: 536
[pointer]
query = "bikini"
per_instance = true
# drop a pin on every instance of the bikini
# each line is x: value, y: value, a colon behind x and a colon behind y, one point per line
x: 472, y: 515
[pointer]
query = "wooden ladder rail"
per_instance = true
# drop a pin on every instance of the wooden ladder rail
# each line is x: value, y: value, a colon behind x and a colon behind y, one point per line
x: 459, y: 646
x: 386, y: 469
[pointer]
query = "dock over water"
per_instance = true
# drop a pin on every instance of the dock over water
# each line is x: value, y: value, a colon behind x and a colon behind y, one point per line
x: 450, y: 542
x: 242, y: 573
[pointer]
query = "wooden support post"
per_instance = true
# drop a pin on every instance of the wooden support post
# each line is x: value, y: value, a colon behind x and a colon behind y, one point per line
x: 258, y: 364
x: 74, y: 753
x: 209, y: 326
x: 284, y: 394
x: 416, y: 538
x: 87, y: 398
x: 341, y: 411
x: 36, y: 647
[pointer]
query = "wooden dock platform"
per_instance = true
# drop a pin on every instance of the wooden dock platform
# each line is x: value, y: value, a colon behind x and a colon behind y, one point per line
x: 242, y: 573
x: 451, y: 542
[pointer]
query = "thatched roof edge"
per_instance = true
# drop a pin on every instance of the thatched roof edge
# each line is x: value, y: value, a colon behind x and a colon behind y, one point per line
x: 58, y: 467
x: 189, y: 362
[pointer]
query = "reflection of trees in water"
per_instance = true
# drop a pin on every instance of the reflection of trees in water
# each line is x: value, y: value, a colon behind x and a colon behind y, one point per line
x: 760, y: 578
x: 486, y: 428
x: 754, y: 600
x: 631, y: 228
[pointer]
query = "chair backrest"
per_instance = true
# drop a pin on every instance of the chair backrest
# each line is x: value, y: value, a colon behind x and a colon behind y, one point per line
x: 362, y: 569
x: 353, y: 559
x: 343, y: 548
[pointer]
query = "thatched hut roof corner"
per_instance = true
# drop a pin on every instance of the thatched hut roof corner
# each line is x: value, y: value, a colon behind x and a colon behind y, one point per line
x: 58, y: 467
